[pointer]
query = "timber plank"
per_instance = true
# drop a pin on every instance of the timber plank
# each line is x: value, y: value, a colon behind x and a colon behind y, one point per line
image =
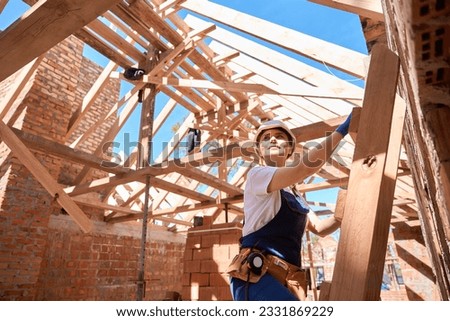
x: 341, y: 58
x: 367, y: 8
x: 19, y: 85
x: 364, y: 231
x: 42, y: 27
x: 3, y: 5
x: 43, y: 177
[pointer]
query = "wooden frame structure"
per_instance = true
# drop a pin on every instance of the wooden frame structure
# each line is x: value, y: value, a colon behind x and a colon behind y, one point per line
x: 228, y: 84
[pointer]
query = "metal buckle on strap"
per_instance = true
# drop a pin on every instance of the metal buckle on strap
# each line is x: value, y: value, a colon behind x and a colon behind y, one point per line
x: 280, y: 263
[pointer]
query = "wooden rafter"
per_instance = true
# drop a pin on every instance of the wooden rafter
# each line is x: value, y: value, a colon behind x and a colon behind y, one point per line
x: 275, y: 59
x: 41, y: 144
x: 89, y: 99
x: 333, y: 55
x: 43, y: 26
x: 367, y: 8
x: 19, y: 85
x: 3, y: 4
x: 229, y: 85
x: 244, y: 87
x: 43, y: 177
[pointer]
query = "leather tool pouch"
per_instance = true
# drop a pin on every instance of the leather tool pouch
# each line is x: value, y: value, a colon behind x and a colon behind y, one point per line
x: 240, y: 268
x: 292, y: 277
x: 297, y: 283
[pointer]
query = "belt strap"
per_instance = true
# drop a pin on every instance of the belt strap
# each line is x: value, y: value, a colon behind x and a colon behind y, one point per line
x: 279, y: 268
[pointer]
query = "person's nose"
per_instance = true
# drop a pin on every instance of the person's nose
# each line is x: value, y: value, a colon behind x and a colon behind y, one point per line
x: 273, y: 139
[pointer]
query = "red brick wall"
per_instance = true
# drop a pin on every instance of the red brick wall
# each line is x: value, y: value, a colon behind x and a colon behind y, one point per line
x: 26, y: 206
x: 415, y: 263
x: 102, y: 265
x: 43, y: 253
x: 209, y: 251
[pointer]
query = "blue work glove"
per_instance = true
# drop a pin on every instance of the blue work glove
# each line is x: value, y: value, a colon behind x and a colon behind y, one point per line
x: 343, y: 128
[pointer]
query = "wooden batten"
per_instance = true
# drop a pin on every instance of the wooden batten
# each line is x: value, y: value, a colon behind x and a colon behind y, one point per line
x: 333, y: 55
x: 362, y: 246
x: 366, y: 8
x: 43, y: 177
x: 40, y: 29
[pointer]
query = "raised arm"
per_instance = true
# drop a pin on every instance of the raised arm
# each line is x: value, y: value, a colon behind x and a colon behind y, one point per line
x: 322, y: 227
x: 309, y: 164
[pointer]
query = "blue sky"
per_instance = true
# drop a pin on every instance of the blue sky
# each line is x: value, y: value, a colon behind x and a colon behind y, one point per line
x: 329, y: 24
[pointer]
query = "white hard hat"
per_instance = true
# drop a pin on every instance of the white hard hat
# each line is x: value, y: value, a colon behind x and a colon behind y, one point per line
x: 276, y: 124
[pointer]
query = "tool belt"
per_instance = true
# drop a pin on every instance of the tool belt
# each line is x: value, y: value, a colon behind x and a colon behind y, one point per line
x: 250, y: 265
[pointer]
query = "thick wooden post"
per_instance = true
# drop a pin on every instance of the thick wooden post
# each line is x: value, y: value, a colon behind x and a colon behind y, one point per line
x: 144, y: 159
x: 362, y: 246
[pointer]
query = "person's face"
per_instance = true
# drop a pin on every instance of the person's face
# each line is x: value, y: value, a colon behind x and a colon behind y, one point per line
x: 274, y: 146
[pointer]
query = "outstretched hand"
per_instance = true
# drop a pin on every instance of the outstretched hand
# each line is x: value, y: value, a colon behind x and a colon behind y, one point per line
x: 343, y: 128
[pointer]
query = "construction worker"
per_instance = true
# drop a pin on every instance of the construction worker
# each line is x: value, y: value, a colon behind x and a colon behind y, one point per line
x: 275, y: 217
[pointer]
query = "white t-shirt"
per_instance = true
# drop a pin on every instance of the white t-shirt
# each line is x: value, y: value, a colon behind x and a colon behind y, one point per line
x: 260, y: 207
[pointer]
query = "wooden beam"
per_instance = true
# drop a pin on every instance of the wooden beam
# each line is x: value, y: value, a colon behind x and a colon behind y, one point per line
x: 135, y: 194
x: 242, y: 87
x: 3, y: 5
x: 221, y: 59
x: 210, y: 180
x: 53, y: 148
x: 340, y: 205
x: 43, y: 177
x: 182, y: 209
x: 133, y: 34
x: 362, y: 245
x: 289, y: 65
x: 178, y: 189
x: 241, y: 149
x: 168, y: 7
x: 86, y: 201
x: 322, y: 185
x: 109, y: 137
x: 43, y: 26
x: 109, y: 35
x: 319, y: 129
x: 131, y: 97
x: 16, y: 89
x: 89, y: 99
x: 367, y: 8
x: 141, y: 9
x: 90, y: 38
x: 199, y: 206
x: 333, y: 55
x: 127, y: 218
x: 127, y: 16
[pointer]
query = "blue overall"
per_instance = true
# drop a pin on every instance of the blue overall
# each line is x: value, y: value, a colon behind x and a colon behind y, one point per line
x: 281, y: 237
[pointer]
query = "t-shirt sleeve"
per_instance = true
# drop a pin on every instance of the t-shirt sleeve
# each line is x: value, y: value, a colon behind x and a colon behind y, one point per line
x: 259, y: 178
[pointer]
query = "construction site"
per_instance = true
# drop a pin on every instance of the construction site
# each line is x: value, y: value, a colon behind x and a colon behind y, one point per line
x: 85, y: 215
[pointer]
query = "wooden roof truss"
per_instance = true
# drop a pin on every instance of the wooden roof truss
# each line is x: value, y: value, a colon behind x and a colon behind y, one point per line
x: 227, y: 83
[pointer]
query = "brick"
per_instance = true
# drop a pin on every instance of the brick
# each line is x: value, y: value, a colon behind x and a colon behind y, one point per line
x: 200, y: 279
x: 186, y: 279
x: 230, y: 238
x: 223, y: 293
x: 210, y: 240
x: 193, y: 242
x: 43, y: 263
x: 186, y: 293
x: 192, y: 266
x: 208, y: 266
x: 217, y: 279
x: 220, y: 252
x: 202, y: 254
